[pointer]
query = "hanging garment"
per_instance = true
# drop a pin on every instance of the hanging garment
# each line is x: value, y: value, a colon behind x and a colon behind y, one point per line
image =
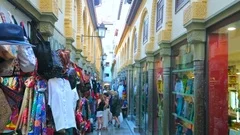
x: 61, y: 99
x: 24, y: 115
x: 37, y: 124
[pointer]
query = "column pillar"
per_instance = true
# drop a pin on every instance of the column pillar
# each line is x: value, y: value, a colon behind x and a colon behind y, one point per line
x: 130, y: 90
x: 152, y: 99
x: 165, y: 53
x: 138, y: 83
x: 197, y: 38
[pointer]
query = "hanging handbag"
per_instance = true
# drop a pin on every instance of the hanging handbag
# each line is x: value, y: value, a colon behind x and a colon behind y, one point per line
x: 43, y: 53
x: 57, y: 69
x: 27, y: 59
x: 5, y: 112
x: 49, y: 62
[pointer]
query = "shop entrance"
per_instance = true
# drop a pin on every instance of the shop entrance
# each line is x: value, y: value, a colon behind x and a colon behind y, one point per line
x: 224, y: 79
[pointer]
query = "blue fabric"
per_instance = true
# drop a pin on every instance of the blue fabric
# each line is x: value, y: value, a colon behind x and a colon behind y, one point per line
x: 189, y: 86
x: 180, y: 102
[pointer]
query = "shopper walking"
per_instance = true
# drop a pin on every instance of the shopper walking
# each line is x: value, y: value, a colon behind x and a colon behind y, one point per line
x: 100, y: 108
x: 116, y: 108
x: 106, y: 111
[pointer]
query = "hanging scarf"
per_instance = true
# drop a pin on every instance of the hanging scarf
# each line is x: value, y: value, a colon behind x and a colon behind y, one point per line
x: 37, y: 124
x: 24, y: 115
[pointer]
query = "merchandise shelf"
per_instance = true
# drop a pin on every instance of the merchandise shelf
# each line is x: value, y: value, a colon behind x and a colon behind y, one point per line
x: 183, y: 70
x: 183, y: 94
x: 183, y: 119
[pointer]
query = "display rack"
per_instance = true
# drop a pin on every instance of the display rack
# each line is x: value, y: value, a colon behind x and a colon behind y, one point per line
x: 183, y: 95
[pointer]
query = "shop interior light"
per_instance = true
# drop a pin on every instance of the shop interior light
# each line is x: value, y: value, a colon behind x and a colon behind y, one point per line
x: 231, y: 28
x: 238, y: 73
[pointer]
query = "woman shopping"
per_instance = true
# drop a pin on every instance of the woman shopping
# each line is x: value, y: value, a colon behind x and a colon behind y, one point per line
x: 106, y: 112
x: 100, y: 108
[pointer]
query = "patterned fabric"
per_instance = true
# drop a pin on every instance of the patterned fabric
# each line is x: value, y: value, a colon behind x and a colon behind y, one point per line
x: 37, y: 124
x: 24, y: 115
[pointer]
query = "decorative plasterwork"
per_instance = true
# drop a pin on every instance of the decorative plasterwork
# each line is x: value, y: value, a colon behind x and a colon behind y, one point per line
x: 140, y: 32
x: 69, y: 33
x: 194, y: 37
x: 79, y: 24
x: 164, y: 35
x: 150, y: 47
x: 137, y: 56
x: 49, y: 6
x: 165, y: 49
x: 46, y: 29
x: 197, y: 11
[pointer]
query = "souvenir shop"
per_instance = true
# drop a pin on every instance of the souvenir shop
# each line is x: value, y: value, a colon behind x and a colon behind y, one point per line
x: 41, y: 90
x: 182, y: 94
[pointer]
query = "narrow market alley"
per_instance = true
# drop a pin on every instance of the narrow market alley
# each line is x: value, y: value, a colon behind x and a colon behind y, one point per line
x: 119, y: 67
x: 125, y: 129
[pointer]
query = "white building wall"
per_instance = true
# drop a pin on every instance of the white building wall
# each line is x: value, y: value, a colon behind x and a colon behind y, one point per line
x: 215, y: 6
x: 177, y: 21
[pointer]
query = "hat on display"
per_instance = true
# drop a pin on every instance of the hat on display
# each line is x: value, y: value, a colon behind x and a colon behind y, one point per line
x: 12, y: 34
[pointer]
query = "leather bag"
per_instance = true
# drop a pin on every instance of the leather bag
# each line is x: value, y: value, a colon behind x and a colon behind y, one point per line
x: 49, y: 62
x: 57, y: 69
x: 43, y: 53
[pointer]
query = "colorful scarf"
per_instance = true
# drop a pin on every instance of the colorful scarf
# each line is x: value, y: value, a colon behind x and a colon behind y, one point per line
x: 37, y: 124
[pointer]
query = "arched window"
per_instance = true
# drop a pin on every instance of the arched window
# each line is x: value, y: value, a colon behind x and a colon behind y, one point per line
x: 135, y: 43
x: 145, y: 30
x: 159, y: 19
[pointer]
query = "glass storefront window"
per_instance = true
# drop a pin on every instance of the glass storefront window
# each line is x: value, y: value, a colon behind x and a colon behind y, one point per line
x: 158, y: 86
x: 182, y: 90
x: 224, y: 79
x: 144, y: 98
x: 134, y: 94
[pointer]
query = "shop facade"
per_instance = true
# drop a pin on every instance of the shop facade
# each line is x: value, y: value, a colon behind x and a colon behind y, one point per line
x: 223, y: 75
x: 204, y: 79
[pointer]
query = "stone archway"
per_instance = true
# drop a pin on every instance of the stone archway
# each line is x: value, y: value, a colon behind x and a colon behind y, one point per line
x: 140, y: 32
x: 132, y: 44
x: 128, y: 51
x: 149, y: 48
